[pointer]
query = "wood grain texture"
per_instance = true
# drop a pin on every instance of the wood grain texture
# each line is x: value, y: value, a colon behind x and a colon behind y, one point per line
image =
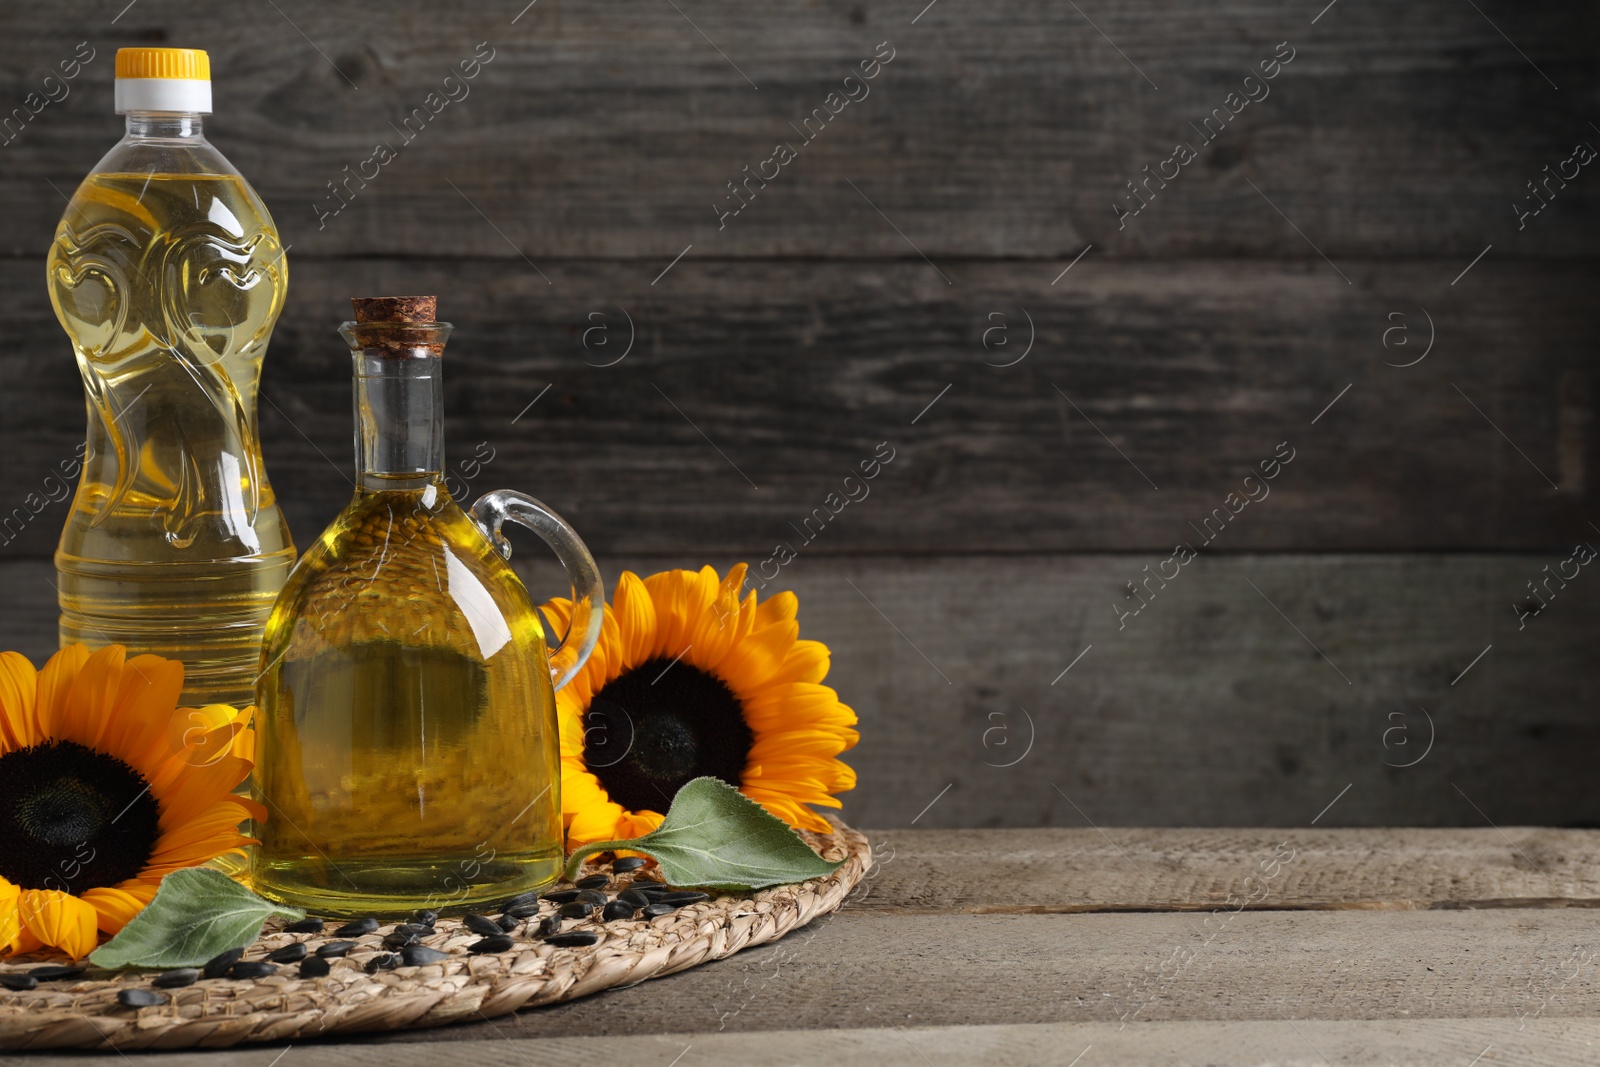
x: 1221, y: 871
x: 610, y: 129
x: 1247, y: 1043
x: 1398, y: 986
x: 752, y: 390
x: 1208, y: 708
x: 861, y: 970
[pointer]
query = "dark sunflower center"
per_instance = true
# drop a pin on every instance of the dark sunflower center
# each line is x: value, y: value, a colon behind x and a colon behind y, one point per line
x: 649, y: 731
x: 72, y: 818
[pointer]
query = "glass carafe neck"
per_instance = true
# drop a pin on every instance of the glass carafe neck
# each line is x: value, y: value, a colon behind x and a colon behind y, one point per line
x: 165, y: 126
x: 399, y: 404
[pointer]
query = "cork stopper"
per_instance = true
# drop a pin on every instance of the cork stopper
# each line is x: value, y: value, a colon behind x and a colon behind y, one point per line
x: 395, y: 308
x: 397, y: 326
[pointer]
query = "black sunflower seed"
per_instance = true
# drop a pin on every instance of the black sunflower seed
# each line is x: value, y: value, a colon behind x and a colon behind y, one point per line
x: 252, y: 969
x: 307, y: 925
x: 572, y: 939
x: 315, y: 967
x: 18, y: 982
x: 634, y: 897
x: 522, y: 898
x: 522, y: 911
x: 550, y: 924
x: 626, y: 864
x: 357, y: 928
x: 420, y: 929
x: 176, y: 979
x: 682, y: 898
x: 593, y: 896
x: 58, y: 972
x: 218, y: 965
x: 618, y: 909
x: 139, y: 998
x: 421, y: 955
x: 654, y: 911
x: 383, y: 961
x: 593, y: 881
x: 481, y: 924
x: 399, y: 939
x: 577, y: 909
x: 650, y: 889
x: 561, y: 896
x: 288, y: 953
x: 427, y: 918
x: 335, y: 949
x: 498, y: 943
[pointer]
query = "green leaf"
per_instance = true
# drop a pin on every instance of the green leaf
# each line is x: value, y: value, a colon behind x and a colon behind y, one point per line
x: 717, y: 838
x: 197, y: 913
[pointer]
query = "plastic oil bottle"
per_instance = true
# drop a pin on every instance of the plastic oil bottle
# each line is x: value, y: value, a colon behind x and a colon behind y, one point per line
x: 168, y: 274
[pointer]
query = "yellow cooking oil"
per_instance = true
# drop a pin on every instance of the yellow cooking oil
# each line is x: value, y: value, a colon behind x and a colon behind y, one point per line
x: 407, y: 748
x: 168, y: 285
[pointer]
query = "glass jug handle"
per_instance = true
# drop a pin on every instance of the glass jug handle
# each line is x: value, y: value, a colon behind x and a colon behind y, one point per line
x: 588, y: 594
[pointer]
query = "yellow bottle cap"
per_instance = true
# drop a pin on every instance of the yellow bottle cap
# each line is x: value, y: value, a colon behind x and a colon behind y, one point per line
x: 163, y: 79
x: 163, y: 63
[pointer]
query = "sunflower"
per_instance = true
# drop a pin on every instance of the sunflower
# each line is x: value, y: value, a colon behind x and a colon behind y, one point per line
x: 106, y: 786
x: 689, y: 680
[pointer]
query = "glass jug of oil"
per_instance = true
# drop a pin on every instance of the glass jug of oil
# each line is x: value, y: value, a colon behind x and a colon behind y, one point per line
x: 407, y: 752
x: 167, y: 273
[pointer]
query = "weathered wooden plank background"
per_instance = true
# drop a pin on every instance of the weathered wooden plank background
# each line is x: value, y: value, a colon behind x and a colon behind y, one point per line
x: 909, y: 257
x: 1384, y: 948
x: 1405, y: 1042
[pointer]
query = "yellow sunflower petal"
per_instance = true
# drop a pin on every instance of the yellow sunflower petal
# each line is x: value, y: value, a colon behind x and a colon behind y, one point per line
x: 778, y: 744
x: 759, y: 658
x: 810, y: 784
x: 199, y: 789
x: 775, y: 707
x: 19, y: 686
x: 595, y: 816
x: 779, y: 607
x: 806, y: 661
x: 635, y: 613
x: 666, y: 594
x: 201, y: 737
x: 604, y: 663
x: 558, y: 613
x: 59, y: 920
x: 141, y: 731
x: 789, y: 810
x: 639, y: 823
x: 58, y: 674
x: 244, y: 742
x: 677, y: 594
x: 202, y: 852
x: 748, y: 618
x: 185, y: 840
x: 27, y: 944
x: 10, y: 917
x: 569, y: 718
x: 89, y: 705
x: 713, y: 627
x: 114, y: 906
x: 594, y: 673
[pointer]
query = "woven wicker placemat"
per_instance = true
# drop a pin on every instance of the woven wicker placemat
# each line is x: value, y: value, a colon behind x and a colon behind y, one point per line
x: 85, y: 1013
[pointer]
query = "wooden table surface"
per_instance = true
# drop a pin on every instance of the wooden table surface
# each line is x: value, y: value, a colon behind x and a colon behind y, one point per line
x: 1122, y: 946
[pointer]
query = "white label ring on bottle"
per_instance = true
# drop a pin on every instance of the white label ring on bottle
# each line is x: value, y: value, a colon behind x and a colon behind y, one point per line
x: 163, y: 94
